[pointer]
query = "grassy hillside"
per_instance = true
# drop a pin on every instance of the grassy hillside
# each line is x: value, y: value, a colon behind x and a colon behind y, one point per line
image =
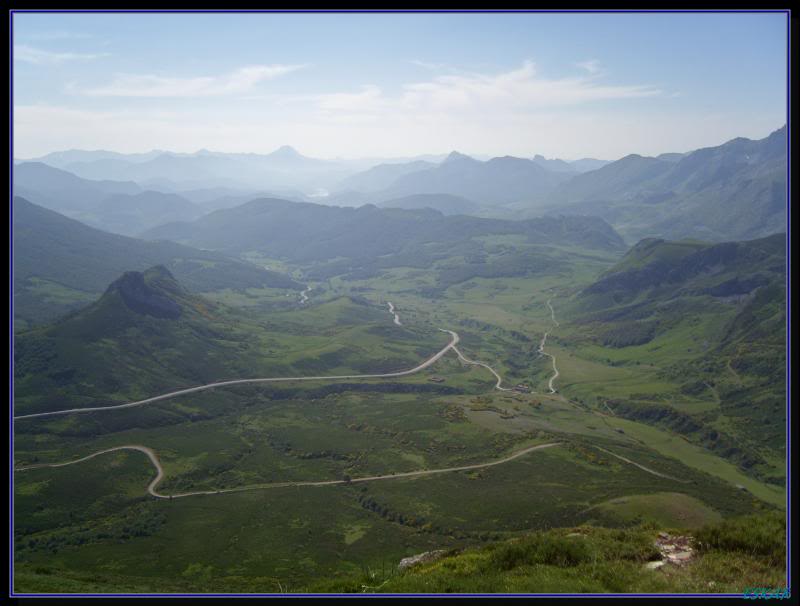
x: 97, y: 517
x: 61, y: 264
x: 148, y: 335
x: 712, y: 319
x: 632, y: 431
x: 729, y: 557
x: 732, y: 556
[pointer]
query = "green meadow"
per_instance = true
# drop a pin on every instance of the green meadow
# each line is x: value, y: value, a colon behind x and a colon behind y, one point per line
x: 93, y: 524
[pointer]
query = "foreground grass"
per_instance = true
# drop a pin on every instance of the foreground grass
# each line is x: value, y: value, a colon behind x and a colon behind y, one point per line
x: 731, y: 556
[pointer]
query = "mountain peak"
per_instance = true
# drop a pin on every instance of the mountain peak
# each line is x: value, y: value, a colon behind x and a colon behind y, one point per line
x: 151, y: 292
x: 455, y: 156
x: 286, y: 152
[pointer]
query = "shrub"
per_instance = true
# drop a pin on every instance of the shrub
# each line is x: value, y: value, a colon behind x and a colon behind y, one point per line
x: 542, y: 549
x: 762, y: 534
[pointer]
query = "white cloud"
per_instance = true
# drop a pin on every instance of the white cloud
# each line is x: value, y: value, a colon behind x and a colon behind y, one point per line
x: 238, y: 81
x: 517, y: 90
x: 38, y: 56
x: 592, y: 66
x: 516, y: 112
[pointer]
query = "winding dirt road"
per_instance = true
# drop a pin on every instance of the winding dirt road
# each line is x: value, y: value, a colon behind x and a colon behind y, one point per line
x: 551, y: 356
x: 394, y: 313
x: 466, y: 360
x: 452, y: 345
x: 552, y: 313
x: 643, y: 468
x: 173, y: 394
x: 151, y: 488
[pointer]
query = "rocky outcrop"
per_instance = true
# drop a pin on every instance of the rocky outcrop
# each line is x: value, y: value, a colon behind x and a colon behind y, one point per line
x: 421, y: 558
x: 147, y: 296
x: 674, y: 549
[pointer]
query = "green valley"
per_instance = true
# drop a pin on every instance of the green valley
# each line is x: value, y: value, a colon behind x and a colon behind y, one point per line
x: 624, y: 424
x: 400, y: 302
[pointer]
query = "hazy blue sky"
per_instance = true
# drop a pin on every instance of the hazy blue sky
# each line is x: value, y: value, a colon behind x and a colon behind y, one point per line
x: 356, y: 85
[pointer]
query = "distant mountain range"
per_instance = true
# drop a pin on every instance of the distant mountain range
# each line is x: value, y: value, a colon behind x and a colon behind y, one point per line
x: 381, y: 176
x: 121, y: 207
x: 494, y: 182
x: 733, y: 191
x: 282, y: 169
x: 586, y: 164
x: 446, y: 204
x: 60, y: 264
x: 63, y: 191
x: 576, y: 166
x: 307, y: 232
x: 384, y: 176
